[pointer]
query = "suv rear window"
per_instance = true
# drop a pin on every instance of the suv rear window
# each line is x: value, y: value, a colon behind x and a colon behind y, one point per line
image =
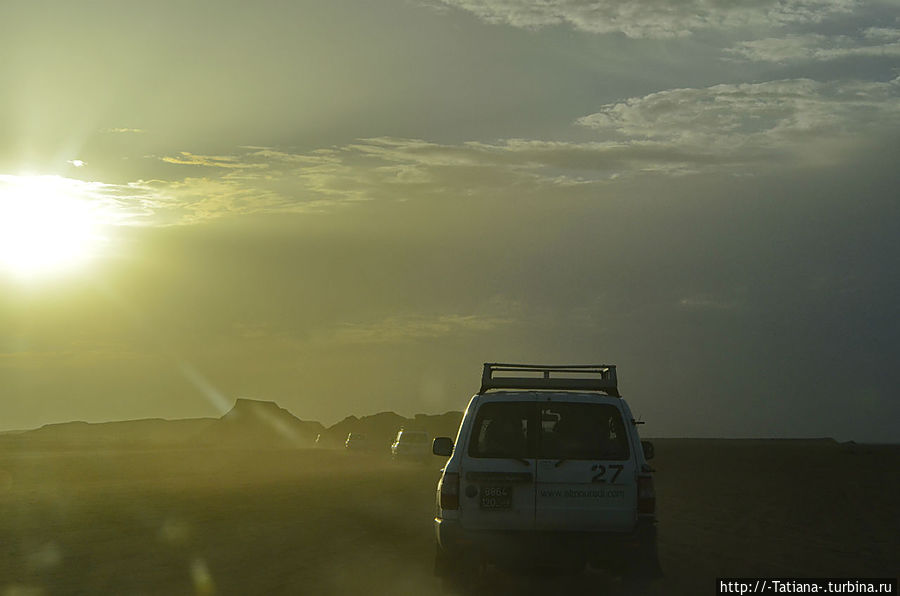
x: 502, y: 430
x: 557, y: 430
x: 582, y: 431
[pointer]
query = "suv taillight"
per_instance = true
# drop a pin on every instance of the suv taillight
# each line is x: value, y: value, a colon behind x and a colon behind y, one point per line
x: 646, y: 495
x: 449, y: 488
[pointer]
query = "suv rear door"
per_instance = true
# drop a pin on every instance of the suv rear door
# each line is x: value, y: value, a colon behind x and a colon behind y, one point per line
x: 585, y: 475
x: 497, y: 485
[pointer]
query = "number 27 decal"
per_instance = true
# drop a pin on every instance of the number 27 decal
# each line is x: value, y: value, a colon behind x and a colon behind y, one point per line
x: 600, y: 470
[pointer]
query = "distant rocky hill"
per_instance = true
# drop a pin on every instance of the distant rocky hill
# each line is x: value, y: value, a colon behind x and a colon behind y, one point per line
x: 145, y: 433
x: 255, y: 423
x: 250, y: 424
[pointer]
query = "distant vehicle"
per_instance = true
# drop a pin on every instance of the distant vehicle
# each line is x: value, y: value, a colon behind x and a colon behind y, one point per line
x: 356, y: 441
x: 548, y: 470
x: 410, y: 444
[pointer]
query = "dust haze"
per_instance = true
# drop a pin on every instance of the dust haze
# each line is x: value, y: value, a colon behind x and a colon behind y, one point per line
x: 250, y: 503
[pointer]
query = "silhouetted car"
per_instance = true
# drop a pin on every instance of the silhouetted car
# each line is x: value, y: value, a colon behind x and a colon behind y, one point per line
x: 356, y: 441
x: 548, y: 470
x: 411, y: 444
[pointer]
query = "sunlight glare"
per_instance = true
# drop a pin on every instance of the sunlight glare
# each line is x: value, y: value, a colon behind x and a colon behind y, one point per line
x: 45, y: 226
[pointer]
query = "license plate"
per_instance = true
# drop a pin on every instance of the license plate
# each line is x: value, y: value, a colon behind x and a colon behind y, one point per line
x: 496, y: 497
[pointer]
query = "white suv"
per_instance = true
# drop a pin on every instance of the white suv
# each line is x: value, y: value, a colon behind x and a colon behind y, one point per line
x: 410, y: 444
x: 547, y: 469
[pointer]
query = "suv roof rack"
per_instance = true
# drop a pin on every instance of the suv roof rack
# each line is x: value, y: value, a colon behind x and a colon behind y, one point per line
x: 590, y: 377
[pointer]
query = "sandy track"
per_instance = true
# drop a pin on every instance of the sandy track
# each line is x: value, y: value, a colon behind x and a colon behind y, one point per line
x: 328, y: 522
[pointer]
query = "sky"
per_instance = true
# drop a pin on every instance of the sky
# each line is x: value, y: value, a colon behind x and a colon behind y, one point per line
x: 347, y: 207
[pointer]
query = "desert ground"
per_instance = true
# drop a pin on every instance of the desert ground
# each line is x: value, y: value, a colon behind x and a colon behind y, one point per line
x: 325, y: 521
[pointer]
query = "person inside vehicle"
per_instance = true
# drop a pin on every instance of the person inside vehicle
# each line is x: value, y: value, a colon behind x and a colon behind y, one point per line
x: 612, y: 440
x: 504, y: 437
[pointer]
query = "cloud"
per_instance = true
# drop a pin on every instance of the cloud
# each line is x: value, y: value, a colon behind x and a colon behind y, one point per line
x: 677, y: 131
x: 653, y: 18
x: 195, y: 199
x: 730, y: 128
x: 407, y: 328
x: 746, y: 123
x: 186, y: 158
x: 813, y: 47
x: 124, y: 130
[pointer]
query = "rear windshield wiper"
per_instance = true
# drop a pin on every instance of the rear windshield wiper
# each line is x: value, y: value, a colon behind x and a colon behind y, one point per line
x: 505, y: 456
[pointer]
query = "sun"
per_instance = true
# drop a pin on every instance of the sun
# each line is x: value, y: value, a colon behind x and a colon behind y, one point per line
x: 46, y: 226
